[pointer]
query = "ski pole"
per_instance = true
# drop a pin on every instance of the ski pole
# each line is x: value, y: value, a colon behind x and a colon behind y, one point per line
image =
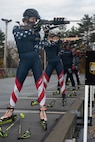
x: 20, y: 124
x: 4, y: 134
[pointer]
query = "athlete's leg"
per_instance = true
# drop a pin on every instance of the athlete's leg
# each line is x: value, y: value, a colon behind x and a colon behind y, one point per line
x: 37, y: 72
x: 47, y: 73
x: 60, y: 73
x: 72, y: 81
x: 67, y: 77
x: 70, y: 74
x: 77, y: 76
x: 21, y: 74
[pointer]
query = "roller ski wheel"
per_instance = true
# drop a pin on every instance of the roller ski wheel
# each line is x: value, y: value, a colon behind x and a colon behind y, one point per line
x: 74, y: 93
x: 57, y: 92
x: 8, y: 120
x: 3, y: 134
x: 33, y: 103
x: 43, y: 124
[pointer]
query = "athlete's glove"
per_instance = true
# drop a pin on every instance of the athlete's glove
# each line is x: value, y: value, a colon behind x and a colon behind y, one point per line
x: 59, y: 42
x: 73, y: 67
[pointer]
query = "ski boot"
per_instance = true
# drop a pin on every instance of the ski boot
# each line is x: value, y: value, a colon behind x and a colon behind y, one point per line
x: 74, y: 92
x: 33, y: 103
x: 8, y: 116
x: 57, y: 92
x: 43, y: 118
x: 44, y: 124
x: 64, y: 99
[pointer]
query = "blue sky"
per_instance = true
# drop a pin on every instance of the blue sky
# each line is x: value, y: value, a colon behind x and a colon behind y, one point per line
x: 70, y: 9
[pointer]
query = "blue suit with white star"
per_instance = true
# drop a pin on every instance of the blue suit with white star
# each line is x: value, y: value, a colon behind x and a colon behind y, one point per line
x: 29, y: 58
x: 26, y: 40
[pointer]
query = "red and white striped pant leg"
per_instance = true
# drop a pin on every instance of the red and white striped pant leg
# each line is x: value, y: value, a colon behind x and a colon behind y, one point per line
x: 15, y: 93
x: 45, y: 80
x: 41, y: 92
x: 61, y: 82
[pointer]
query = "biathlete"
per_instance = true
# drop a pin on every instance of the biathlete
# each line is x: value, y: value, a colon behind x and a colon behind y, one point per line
x: 67, y: 60
x: 54, y: 62
x: 75, y: 66
x: 26, y: 40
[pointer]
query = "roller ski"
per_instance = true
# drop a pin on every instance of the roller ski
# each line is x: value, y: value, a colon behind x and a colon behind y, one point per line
x: 8, y: 117
x: 43, y: 118
x: 33, y: 103
x: 51, y: 104
x: 2, y: 133
x: 25, y: 135
x: 57, y: 92
x: 72, y: 94
x: 8, y: 120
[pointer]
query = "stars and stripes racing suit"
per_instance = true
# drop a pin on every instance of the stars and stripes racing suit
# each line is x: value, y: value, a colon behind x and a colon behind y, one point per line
x: 54, y: 63
x: 26, y: 40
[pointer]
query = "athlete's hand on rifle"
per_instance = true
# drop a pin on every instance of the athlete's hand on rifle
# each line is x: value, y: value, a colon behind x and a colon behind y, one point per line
x: 59, y: 42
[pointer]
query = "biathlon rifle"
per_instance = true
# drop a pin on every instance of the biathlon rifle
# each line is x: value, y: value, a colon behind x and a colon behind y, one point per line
x: 51, y: 24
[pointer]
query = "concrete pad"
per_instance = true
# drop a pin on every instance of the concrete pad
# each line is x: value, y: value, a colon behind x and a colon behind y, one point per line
x: 60, y: 119
x: 31, y: 121
x: 65, y: 128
